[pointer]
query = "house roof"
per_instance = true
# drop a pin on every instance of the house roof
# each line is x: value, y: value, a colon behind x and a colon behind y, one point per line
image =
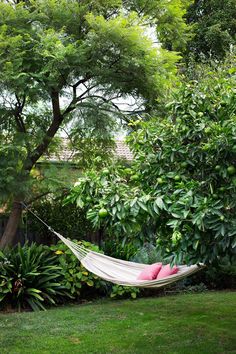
x: 122, y: 150
x: 66, y: 154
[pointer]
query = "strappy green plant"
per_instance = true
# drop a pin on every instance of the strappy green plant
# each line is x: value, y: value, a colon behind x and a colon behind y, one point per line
x: 30, y: 277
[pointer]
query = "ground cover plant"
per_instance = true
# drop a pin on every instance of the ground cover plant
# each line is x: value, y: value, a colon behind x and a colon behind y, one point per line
x: 197, y: 323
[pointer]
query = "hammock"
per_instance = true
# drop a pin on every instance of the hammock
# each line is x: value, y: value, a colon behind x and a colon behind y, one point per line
x: 116, y: 270
x: 122, y: 272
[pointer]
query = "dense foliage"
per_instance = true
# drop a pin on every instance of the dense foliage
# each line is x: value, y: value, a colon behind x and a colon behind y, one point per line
x: 30, y: 278
x: 181, y: 189
x: 214, y: 27
x: 36, y: 276
x: 114, y: 203
x: 76, y: 278
x: 188, y: 160
x: 70, y: 222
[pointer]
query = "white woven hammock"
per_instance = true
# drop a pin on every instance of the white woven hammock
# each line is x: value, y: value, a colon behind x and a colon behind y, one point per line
x: 122, y: 272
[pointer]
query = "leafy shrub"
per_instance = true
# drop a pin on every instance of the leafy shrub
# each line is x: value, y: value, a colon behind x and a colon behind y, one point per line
x: 184, y: 286
x: 66, y: 219
x: 30, y: 277
x: 121, y: 292
x: 222, y: 276
x: 125, y: 203
x: 149, y: 254
x: 187, y: 164
x: 117, y: 249
x: 76, y: 278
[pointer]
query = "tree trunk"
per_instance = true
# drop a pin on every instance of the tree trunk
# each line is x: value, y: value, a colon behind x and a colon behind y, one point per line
x: 9, y: 237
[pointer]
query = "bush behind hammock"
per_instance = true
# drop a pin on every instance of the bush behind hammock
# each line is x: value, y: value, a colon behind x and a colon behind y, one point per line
x: 76, y: 278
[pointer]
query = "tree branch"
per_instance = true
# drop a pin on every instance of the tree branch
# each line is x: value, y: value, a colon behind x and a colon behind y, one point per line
x: 52, y: 130
x: 106, y: 100
x: 79, y: 82
x: 34, y: 199
x: 72, y: 105
x: 17, y: 114
x: 39, y: 196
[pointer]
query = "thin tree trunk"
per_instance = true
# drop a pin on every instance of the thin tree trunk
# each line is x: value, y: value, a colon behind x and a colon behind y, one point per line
x: 9, y: 237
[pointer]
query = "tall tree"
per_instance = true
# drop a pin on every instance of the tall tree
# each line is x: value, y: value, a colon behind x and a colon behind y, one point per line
x: 214, y: 27
x: 62, y: 61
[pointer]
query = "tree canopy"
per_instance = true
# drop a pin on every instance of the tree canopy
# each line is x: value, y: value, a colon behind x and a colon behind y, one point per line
x: 214, y: 28
x: 63, y: 63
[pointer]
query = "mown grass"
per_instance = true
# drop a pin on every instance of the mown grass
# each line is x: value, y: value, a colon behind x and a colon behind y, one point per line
x: 183, y: 324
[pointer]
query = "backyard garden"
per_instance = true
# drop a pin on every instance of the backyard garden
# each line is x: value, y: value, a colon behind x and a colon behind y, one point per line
x: 102, y: 252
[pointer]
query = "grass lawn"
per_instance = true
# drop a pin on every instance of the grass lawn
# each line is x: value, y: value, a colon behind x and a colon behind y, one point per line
x: 184, y: 324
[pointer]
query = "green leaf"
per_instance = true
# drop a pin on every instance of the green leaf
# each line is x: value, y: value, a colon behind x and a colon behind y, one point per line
x: 90, y: 283
x: 142, y: 205
x: 79, y: 203
x: 159, y: 203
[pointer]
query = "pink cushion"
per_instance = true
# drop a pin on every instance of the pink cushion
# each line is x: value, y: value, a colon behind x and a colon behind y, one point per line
x: 166, y: 271
x: 150, y: 272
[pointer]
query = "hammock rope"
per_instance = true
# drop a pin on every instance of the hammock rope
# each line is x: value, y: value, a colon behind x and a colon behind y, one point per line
x: 116, y: 270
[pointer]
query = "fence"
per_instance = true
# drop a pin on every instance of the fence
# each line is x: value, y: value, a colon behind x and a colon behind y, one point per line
x: 23, y: 232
